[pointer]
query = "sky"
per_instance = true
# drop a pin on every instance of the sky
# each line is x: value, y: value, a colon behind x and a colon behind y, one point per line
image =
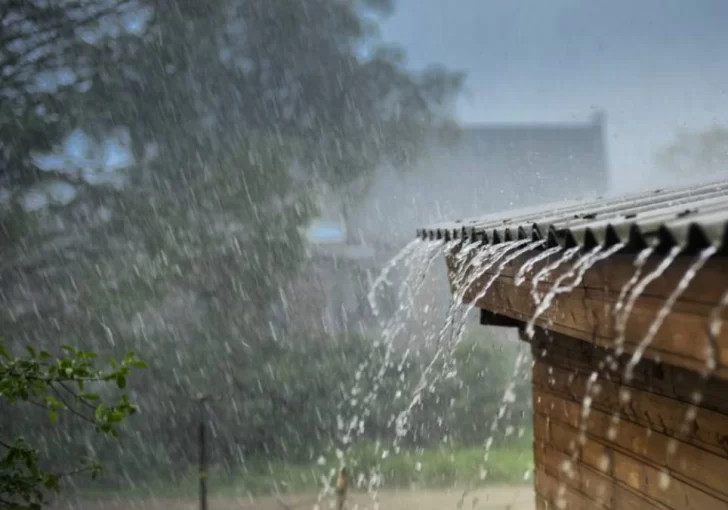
x: 654, y: 66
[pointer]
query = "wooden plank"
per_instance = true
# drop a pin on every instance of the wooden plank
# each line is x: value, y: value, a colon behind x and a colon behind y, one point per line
x: 647, y: 480
x: 659, y: 413
x: 597, y: 456
x: 589, y: 317
x: 612, y: 274
x: 558, y: 494
x: 637, y: 485
x: 598, y: 487
x: 676, y: 382
x: 689, y: 468
x: 586, y: 312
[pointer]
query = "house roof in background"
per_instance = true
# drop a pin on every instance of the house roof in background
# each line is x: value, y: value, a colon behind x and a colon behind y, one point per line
x: 695, y: 217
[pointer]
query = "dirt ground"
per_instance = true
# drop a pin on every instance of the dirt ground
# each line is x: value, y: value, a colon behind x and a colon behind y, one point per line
x: 492, y: 498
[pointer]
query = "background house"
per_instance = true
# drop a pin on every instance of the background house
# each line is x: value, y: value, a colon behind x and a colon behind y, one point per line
x: 487, y: 168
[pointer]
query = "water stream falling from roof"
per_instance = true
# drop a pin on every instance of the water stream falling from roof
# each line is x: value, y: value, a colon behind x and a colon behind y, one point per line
x: 592, y: 385
x: 382, y: 278
x: 666, y: 307
x: 496, y: 253
x: 530, y: 263
x: 459, y: 327
x: 415, y: 258
x: 639, y: 264
x: 474, y: 268
x: 546, y: 271
x: 577, y: 272
x: 635, y: 293
x: 516, y: 253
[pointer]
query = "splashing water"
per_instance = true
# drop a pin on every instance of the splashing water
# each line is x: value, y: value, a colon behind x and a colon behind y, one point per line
x: 528, y: 265
x: 486, y: 262
x: 639, y: 264
x: 466, y: 249
x: 636, y: 292
x: 592, y: 385
x: 545, y: 272
x: 416, y: 257
x: 496, y: 274
x: 621, y: 322
x: 714, y: 328
x: 497, y: 253
x: 578, y: 270
x: 595, y: 257
x: 382, y: 278
x: 480, y: 267
x: 459, y: 329
x: 666, y: 308
x: 483, y: 262
x: 417, y: 271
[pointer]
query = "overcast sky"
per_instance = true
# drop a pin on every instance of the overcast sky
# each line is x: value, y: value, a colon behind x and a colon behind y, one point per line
x: 654, y: 66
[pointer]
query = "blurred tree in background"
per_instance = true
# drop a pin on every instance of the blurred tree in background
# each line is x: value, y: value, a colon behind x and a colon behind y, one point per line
x: 176, y: 244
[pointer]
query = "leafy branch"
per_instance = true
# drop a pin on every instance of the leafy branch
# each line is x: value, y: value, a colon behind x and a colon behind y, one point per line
x: 58, y: 384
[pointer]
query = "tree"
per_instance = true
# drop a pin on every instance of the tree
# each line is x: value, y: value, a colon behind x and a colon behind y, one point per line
x: 69, y: 383
x: 234, y: 110
x: 42, y: 68
x: 702, y: 153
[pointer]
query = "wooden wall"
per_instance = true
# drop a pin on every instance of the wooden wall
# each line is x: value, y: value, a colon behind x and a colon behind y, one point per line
x: 587, y: 312
x: 645, y: 461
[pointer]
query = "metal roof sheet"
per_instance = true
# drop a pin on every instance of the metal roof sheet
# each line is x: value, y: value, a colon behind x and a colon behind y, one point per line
x: 694, y: 217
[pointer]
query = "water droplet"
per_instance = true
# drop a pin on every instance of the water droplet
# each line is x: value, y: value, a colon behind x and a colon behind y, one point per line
x: 663, y: 481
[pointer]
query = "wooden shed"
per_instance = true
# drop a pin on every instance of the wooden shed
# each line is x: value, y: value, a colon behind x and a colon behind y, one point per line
x: 630, y: 364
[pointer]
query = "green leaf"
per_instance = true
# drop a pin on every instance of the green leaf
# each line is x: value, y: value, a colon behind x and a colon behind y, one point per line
x: 121, y: 381
x: 90, y: 396
x: 53, y: 415
x: 101, y: 412
x: 33, y: 353
x: 3, y: 351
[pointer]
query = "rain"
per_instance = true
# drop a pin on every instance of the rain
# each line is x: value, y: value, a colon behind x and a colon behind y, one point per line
x: 363, y: 254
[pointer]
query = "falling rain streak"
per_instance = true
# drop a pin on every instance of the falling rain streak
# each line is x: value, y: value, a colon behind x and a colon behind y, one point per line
x: 475, y: 270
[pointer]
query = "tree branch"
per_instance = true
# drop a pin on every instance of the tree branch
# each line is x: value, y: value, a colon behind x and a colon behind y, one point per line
x: 75, y: 395
x: 66, y: 29
x: 72, y: 410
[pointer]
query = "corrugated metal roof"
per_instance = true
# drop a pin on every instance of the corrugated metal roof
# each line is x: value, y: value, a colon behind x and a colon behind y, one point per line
x: 695, y: 217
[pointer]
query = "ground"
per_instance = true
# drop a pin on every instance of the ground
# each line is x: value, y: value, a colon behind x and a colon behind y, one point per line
x: 492, y: 498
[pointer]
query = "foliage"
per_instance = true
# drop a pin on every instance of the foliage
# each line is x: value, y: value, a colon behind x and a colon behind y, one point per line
x: 701, y: 153
x: 42, y: 68
x: 236, y: 111
x: 60, y: 384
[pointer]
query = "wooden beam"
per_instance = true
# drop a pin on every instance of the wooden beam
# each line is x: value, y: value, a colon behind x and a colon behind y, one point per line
x: 488, y: 318
x: 588, y: 311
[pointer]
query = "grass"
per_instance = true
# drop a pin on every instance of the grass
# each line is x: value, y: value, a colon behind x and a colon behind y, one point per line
x: 421, y: 468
